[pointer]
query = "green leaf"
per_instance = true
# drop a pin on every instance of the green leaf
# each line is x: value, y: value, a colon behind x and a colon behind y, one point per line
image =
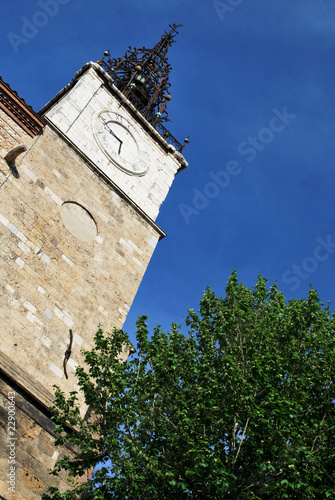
x: 240, y: 406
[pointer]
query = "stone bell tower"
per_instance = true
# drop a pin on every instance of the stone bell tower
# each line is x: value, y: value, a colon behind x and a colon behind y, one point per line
x: 81, y: 184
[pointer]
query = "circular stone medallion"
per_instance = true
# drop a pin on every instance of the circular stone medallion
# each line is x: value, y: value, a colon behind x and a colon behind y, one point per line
x: 79, y: 222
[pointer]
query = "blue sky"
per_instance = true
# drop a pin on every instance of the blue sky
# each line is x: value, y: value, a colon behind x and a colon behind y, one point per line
x: 253, y: 87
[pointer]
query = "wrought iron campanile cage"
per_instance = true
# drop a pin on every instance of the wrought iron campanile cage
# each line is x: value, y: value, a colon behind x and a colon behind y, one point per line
x: 142, y: 75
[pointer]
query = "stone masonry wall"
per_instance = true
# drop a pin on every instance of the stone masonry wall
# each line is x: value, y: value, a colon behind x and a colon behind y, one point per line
x: 29, y: 449
x: 73, y: 252
x: 11, y: 135
x: 51, y: 280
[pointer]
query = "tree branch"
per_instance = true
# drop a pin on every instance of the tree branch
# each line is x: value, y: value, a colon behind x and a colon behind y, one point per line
x: 242, y: 438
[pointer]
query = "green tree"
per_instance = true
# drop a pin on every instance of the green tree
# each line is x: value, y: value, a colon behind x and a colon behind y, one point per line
x: 241, y: 407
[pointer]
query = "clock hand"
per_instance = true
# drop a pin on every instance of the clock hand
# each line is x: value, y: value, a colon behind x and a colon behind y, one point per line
x: 111, y: 132
x: 116, y: 137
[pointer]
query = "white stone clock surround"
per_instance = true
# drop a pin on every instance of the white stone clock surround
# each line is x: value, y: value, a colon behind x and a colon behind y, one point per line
x: 120, y: 141
x: 72, y: 111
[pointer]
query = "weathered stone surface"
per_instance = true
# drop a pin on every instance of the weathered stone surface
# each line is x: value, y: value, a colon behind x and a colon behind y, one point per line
x: 33, y: 454
x: 77, y: 234
x: 11, y: 134
x: 84, y: 282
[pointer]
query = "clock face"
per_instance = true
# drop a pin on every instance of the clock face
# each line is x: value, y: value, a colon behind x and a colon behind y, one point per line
x: 121, y: 142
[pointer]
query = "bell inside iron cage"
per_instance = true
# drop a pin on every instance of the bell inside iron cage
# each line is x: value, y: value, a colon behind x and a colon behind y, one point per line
x: 140, y: 90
